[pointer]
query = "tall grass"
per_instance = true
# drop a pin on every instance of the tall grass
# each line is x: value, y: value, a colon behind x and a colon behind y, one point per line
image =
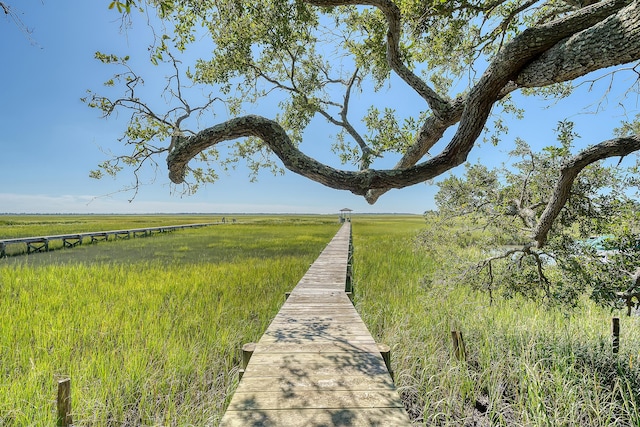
x: 149, y: 330
x: 527, y: 365
x: 148, y: 336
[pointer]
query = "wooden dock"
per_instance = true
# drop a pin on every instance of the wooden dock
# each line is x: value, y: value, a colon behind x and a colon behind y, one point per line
x: 41, y: 243
x: 317, y: 364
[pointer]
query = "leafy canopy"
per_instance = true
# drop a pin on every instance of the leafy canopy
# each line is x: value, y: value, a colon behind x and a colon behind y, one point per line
x: 273, y: 67
x: 310, y: 58
x: 497, y: 209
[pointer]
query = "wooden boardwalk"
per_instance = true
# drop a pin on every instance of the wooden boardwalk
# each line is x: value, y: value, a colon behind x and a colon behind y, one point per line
x: 317, y: 364
x: 41, y: 243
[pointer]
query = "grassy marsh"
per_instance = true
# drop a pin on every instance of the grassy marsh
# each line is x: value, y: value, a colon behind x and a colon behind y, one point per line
x: 528, y: 365
x: 149, y: 330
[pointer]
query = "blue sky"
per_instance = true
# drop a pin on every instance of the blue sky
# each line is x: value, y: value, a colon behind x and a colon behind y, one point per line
x: 50, y: 140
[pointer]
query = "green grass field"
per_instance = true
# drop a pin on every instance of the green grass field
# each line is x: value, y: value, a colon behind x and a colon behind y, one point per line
x: 149, y: 329
x: 528, y: 365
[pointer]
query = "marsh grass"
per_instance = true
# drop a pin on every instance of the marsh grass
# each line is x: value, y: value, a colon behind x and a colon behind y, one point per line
x: 527, y: 365
x: 204, y: 246
x: 149, y: 330
x: 146, y: 339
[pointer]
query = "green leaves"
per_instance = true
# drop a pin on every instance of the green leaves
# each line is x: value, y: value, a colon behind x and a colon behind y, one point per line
x: 367, y: 41
x: 386, y: 134
x: 478, y: 192
x: 629, y: 127
x: 507, y: 202
x: 122, y: 7
x: 109, y: 58
x: 297, y: 62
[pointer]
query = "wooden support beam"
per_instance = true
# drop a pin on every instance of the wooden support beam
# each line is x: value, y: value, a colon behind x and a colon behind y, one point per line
x: 124, y: 234
x: 99, y: 237
x: 141, y: 233
x: 71, y: 241
x: 39, y: 245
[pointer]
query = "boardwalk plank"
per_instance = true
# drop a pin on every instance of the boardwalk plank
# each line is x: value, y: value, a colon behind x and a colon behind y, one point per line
x: 327, y: 347
x: 300, y: 365
x: 317, y: 382
x: 363, y: 417
x: 316, y: 399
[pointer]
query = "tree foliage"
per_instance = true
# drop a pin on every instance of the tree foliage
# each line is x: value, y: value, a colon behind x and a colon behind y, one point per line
x: 313, y: 58
x: 501, y: 208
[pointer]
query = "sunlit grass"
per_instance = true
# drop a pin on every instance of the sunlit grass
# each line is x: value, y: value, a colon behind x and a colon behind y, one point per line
x: 149, y: 329
x: 527, y: 364
x: 145, y: 339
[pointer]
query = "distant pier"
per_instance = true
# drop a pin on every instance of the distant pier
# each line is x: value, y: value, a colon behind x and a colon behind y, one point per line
x: 41, y: 243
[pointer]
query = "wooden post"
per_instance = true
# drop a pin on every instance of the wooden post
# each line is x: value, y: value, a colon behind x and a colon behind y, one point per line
x: 616, y: 334
x: 458, y: 345
x: 247, y: 352
x: 349, y: 284
x: 64, y: 403
x: 350, y: 296
x: 385, y: 352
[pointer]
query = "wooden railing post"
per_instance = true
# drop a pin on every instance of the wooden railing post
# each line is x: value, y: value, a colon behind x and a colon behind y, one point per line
x: 385, y: 352
x: 458, y: 345
x: 349, y: 284
x: 247, y: 352
x: 616, y: 334
x: 64, y: 403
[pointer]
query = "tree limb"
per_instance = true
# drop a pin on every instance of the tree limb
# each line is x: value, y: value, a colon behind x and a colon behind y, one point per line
x: 613, y: 41
x: 568, y: 173
x: 532, y: 49
x: 550, y: 34
x: 438, y: 104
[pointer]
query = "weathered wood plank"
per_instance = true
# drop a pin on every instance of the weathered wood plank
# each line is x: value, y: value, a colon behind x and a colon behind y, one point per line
x: 363, y: 417
x: 316, y: 382
x: 303, y: 364
x: 305, y: 338
x: 319, y: 330
x: 326, y: 347
x: 333, y: 318
x: 316, y: 400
